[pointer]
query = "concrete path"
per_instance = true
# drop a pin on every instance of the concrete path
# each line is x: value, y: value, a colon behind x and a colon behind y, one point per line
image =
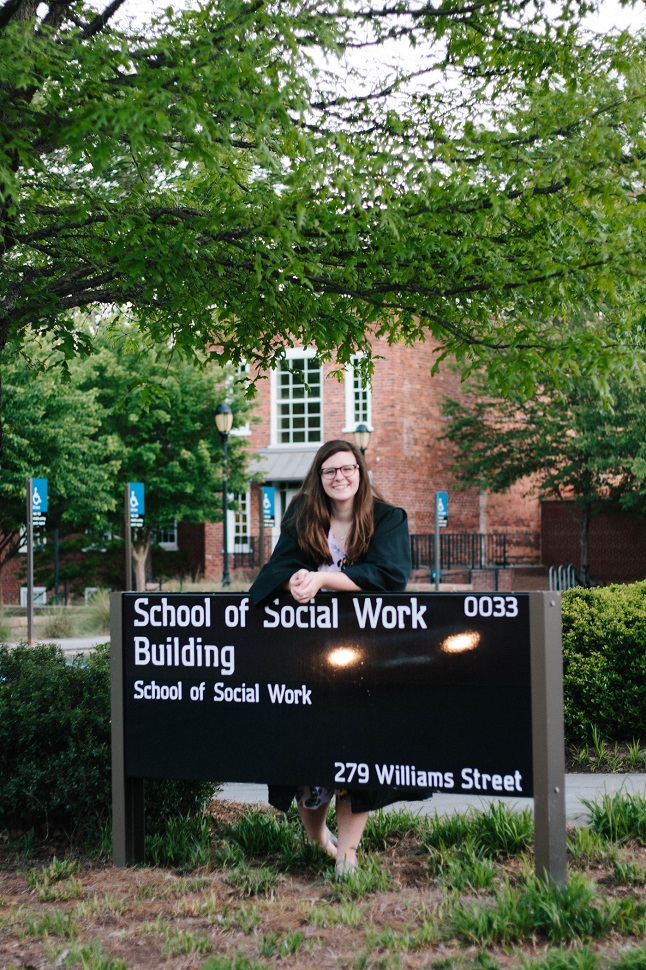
x: 73, y: 645
x: 579, y: 788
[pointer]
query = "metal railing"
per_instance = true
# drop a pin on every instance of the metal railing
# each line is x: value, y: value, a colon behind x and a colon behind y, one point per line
x: 246, y: 554
x: 472, y: 550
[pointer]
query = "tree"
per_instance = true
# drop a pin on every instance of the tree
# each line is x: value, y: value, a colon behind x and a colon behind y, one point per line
x: 572, y: 444
x: 123, y: 415
x: 160, y: 409
x: 54, y: 431
x: 223, y: 175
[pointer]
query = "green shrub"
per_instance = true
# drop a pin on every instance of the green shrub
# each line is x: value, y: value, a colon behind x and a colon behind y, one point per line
x: 5, y: 630
x: 55, y: 745
x: 95, y: 617
x: 604, y: 662
x: 59, y: 622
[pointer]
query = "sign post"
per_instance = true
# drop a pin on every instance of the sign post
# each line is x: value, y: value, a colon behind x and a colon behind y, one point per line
x: 37, y: 508
x: 441, y: 521
x: 134, y: 509
x: 548, y: 738
x: 419, y: 692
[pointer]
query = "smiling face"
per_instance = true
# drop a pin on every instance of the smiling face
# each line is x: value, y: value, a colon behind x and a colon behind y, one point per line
x: 342, y: 487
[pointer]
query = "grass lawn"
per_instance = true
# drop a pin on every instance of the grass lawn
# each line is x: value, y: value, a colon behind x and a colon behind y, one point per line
x: 240, y: 889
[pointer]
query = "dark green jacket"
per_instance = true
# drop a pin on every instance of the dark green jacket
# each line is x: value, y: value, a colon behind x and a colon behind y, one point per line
x: 384, y: 568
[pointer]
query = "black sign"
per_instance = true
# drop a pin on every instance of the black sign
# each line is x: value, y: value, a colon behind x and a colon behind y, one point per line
x: 426, y: 690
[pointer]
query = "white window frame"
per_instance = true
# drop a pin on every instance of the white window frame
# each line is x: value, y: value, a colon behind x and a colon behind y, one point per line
x: 358, y: 399
x: 39, y: 595
x: 239, y: 523
x: 294, y: 353
x: 171, y: 545
x: 39, y: 535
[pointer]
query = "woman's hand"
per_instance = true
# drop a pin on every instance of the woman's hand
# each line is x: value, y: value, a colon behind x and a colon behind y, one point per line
x: 305, y: 584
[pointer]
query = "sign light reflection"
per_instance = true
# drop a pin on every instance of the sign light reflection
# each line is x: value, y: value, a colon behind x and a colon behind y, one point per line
x: 460, y: 642
x: 344, y: 656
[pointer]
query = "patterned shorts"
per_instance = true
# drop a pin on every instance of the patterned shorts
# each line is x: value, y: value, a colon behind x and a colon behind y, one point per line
x: 313, y: 796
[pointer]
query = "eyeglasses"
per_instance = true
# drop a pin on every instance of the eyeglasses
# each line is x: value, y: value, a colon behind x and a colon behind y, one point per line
x: 329, y: 474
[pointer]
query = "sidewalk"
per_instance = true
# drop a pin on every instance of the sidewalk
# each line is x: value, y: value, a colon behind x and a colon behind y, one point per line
x: 578, y: 789
x: 73, y: 645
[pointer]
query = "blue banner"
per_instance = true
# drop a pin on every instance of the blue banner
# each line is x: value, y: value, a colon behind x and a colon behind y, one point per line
x: 269, y: 504
x: 39, y: 506
x: 442, y: 507
x: 136, y: 502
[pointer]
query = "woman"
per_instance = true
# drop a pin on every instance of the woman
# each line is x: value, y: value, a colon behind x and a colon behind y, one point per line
x: 338, y: 535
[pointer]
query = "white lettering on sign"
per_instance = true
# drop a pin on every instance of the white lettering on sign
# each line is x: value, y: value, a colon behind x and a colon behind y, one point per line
x: 475, y: 780
x: 282, y: 694
x: 347, y: 771
x: 167, y: 614
x: 193, y: 653
x: 157, y: 692
x: 500, y: 607
x: 373, y: 613
x: 308, y: 616
x: 408, y: 776
x: 236, y: 695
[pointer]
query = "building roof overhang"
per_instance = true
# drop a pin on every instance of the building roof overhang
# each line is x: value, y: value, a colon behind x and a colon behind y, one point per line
x: 282, y: 464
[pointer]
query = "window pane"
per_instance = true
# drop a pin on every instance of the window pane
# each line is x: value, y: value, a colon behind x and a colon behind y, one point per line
x: 298, y: 408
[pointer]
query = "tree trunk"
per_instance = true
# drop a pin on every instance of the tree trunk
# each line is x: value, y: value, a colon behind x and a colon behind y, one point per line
x: 4, y: 332
x: 140, y: 555
x: 584, y: 535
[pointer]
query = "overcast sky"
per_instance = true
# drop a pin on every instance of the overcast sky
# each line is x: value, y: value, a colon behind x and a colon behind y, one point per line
x: 611, y: 13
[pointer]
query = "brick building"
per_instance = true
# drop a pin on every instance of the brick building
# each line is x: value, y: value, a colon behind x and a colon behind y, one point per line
x: 409, y: 463
x: 616, y: 542
x: 405, y: 455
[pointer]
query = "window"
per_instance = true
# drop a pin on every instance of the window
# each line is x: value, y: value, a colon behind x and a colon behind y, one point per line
x: 239, y: 523
x: 39, y: 595
x: 167, y: 537
x: 298, y: 397
x: 97, y: 542
x: 358, y: 397
x: 40, y: 539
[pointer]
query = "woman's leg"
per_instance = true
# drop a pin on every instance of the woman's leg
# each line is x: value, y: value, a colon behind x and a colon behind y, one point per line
x: 351, y: 825
x: 315, y: 825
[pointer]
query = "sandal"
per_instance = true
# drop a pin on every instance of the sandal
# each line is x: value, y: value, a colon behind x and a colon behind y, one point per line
x: 345, y: 868
x: 329, y: 842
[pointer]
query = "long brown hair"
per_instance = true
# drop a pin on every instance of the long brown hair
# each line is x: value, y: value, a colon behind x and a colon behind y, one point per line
x: 313, y: 515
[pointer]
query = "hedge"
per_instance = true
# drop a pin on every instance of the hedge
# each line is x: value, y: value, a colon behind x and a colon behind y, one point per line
x: 604, y: 662
x: 55, y: 745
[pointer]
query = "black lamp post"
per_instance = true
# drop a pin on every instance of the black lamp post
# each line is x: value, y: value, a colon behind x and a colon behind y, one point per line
x: 362, y: 437
x: 223, y: 422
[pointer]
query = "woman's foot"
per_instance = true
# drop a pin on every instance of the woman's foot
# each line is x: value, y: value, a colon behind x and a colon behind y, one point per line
x: 345, y: 868
x: 315, y: 825
x: 327, y: 842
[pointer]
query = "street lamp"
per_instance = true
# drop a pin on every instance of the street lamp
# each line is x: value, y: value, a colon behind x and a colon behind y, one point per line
x: 223, y: 422
x: 362, y: 437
